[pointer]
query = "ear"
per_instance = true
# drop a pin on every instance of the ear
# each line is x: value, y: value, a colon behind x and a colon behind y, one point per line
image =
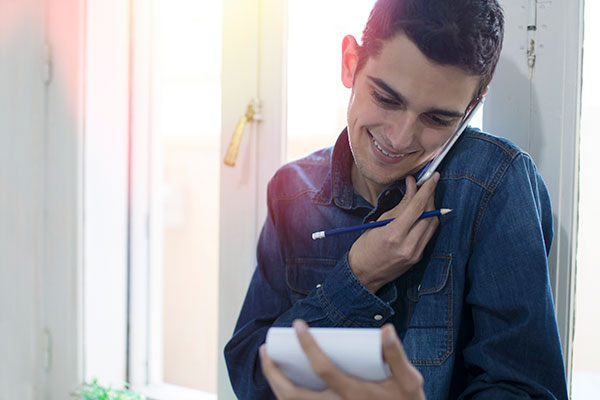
x: 478, y: 98
x: 349, y: 60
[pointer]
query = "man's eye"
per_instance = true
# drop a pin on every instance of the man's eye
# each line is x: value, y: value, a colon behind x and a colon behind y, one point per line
x: 385, y: 101
x: 433, y: 120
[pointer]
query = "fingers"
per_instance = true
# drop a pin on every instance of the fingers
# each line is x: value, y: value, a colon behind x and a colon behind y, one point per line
x: 280, y: 384
x: 423, y: 229
x: 406, y: 382
x: 422, y: 197
x: 410, y: 191
x: 412, y: 206
x: 282, y: 387
x: 323, y: 367
x: 410, y: 186
x: 407, y: 376
x: 417, y: 198
x: 393, y: 352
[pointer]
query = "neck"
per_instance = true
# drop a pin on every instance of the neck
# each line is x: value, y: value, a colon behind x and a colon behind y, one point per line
x: 368, y: 189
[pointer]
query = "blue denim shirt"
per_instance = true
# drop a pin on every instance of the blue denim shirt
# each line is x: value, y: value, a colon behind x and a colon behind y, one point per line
x: 475, y: 315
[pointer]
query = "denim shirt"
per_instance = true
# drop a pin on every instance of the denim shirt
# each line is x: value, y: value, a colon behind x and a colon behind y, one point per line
x: 475, y: 315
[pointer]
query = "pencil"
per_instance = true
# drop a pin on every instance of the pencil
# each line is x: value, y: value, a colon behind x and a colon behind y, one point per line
x: 369, y: 225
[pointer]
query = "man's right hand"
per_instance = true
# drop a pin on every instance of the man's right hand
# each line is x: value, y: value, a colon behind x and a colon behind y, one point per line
x: 383, y: 254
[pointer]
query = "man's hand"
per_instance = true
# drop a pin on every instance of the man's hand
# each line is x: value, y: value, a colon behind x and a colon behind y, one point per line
x: 406, y: 383
x: 381, y: 255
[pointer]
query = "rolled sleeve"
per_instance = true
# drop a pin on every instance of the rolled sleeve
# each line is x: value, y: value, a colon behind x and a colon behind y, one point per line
x: 347, y: 302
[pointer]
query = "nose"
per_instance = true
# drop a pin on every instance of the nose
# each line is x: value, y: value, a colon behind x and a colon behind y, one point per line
x: 402, y: 131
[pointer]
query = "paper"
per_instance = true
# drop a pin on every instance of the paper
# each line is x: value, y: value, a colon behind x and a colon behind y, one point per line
x: 356, y: 351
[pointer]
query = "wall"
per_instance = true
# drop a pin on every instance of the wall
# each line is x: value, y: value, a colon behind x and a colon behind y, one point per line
x: 40, y: 198
x: 62, y: 264
x: 22, y: 194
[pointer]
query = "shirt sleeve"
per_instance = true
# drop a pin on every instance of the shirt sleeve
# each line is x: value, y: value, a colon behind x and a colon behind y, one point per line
x: 340, y: 300
x: 515, y: 351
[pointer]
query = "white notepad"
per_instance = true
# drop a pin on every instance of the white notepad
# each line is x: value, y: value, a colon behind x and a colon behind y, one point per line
x: 356, y: 351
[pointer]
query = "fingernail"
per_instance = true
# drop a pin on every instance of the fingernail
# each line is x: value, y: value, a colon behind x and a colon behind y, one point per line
x: 436, y: 176
x: 299, y: 325
x: 262, y: 350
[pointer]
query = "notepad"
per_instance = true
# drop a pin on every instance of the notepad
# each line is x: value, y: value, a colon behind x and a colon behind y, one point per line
x: 356, y: 351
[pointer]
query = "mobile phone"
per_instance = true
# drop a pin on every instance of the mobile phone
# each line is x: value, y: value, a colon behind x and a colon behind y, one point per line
x: 431, y: 166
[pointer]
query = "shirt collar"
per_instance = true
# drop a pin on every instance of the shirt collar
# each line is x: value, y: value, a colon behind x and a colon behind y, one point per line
x: 337, y: 186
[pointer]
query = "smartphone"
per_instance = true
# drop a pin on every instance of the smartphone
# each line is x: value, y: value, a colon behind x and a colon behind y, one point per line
x: 431, y: 166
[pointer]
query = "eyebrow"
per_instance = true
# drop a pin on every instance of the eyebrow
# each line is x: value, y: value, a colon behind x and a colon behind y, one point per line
x: 399, y: 98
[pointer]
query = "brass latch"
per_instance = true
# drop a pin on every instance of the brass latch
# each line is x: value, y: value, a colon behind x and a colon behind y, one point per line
x: 250, y: 115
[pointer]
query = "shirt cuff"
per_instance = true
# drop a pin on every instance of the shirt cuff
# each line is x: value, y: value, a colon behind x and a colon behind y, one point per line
x: 348, y: 302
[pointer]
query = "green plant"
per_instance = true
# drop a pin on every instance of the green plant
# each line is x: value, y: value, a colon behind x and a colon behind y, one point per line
x: 95, y: 391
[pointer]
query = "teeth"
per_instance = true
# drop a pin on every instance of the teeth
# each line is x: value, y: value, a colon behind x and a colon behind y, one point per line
x: 385, y: 152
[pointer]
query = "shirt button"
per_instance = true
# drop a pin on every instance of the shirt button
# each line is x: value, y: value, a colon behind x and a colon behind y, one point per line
x: 318, y: 286
x: 378, y: 317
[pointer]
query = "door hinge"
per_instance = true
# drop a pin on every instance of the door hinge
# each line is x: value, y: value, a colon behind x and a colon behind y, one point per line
x: 531, y: 30
x: 536, y: 26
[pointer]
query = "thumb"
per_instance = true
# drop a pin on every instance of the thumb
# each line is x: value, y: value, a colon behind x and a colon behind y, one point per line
x: 393, y: 353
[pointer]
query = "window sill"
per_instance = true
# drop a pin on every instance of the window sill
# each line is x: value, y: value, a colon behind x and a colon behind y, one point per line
x: 172, y: 392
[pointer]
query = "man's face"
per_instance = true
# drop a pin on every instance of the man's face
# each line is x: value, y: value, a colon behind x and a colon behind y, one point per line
x: 402, y: 109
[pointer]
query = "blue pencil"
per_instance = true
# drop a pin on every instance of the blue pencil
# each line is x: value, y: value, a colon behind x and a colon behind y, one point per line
x: 369, y: 225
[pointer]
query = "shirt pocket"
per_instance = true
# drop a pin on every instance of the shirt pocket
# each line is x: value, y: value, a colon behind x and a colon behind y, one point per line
x: 304, y: 274
x: 429, y: 337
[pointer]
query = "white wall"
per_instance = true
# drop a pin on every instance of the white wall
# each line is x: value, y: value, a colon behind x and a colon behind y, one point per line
x: 22, y: 160
x: 40, y: 198
x: 62, y: 263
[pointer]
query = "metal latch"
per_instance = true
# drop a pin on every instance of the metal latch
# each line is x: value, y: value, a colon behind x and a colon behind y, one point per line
x: 251, y: 114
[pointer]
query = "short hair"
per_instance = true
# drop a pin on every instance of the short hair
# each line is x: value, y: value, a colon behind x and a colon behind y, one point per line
x: 464, y: 33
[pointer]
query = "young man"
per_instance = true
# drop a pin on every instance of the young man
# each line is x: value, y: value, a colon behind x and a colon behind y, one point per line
x: 468, y: 294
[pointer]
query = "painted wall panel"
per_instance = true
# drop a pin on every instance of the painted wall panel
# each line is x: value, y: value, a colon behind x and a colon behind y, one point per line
x: 22, y: 159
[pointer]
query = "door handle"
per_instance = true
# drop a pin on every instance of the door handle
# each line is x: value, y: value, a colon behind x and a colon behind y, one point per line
x: 234, y: 144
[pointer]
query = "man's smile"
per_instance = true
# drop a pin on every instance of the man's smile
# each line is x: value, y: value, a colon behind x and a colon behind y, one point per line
x: 384, y: 153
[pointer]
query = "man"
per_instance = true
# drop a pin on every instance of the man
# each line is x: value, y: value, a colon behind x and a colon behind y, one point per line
x: 468, y: 294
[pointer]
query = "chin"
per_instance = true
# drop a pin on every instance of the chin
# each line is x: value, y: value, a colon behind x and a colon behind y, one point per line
x: 381, y: 179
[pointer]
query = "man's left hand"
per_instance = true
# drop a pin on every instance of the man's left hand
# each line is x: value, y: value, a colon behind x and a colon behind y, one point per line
x: 406, y: 383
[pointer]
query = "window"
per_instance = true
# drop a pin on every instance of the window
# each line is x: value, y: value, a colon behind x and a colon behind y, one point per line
x: 178, y: 294
x: 317, y: 100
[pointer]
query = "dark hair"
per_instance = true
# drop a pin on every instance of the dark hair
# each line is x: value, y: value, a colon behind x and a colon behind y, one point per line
x: 463, y: 33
